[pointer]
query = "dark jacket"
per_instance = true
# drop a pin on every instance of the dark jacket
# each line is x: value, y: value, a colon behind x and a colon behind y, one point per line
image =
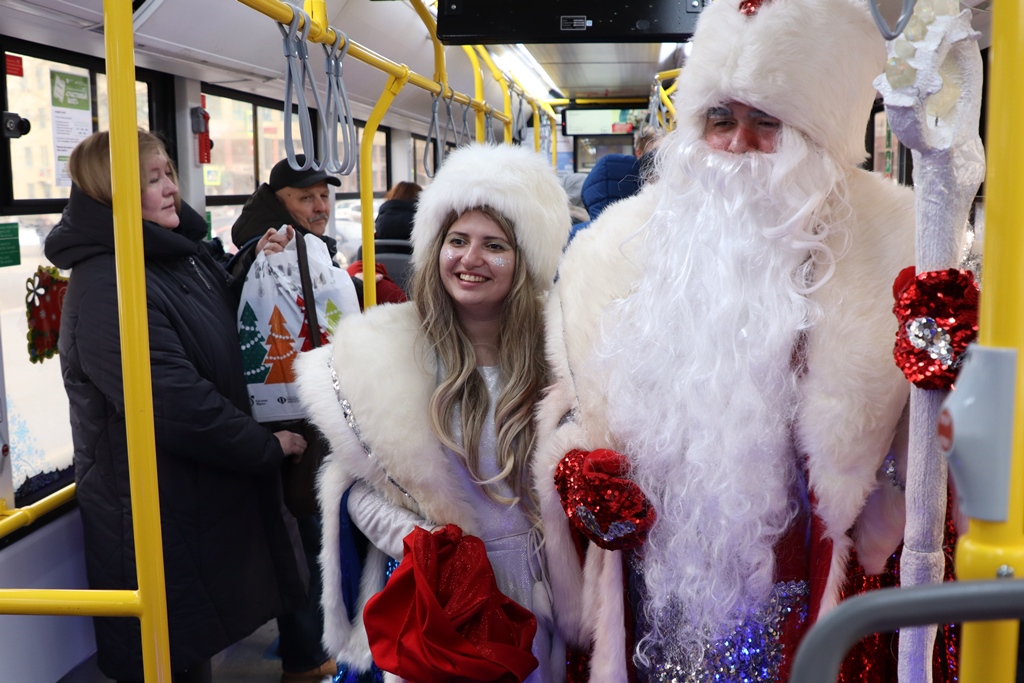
x: 614, y: 177
x: 228, y: 559
x: 394, y: 220
x: 262, y: 211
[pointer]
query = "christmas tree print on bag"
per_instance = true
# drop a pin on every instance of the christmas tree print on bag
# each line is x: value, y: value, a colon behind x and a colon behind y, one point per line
x: 272, y: 326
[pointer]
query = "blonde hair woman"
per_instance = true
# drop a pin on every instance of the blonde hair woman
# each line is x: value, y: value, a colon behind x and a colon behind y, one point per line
x: 429, y: 412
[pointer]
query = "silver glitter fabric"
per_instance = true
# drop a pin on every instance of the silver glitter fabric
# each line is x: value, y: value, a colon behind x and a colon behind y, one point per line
x: 752, y: 654
x: 925, y: 333
x: 350, y: 420
x: 616, y: 530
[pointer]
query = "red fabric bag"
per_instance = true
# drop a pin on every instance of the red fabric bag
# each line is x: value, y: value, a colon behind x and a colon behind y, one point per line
x: 441, y: 617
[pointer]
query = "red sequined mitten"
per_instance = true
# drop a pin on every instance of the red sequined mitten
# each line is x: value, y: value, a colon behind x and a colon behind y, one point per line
x: 938, y: 314
x: 600, y: 500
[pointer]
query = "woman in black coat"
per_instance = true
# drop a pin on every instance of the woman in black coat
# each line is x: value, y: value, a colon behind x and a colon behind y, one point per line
x: 229, y: 561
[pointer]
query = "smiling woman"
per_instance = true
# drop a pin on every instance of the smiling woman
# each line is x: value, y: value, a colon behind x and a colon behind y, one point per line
x: 477, y: 262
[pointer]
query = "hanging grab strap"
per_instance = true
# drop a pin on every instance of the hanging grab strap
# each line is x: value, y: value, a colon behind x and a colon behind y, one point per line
x: 489, y: 128
x: 906, y: 11
x: 338, y: 112
x: 433, y: 131
x: 449, y: 125
x: 463, y: 134
x: 295, y: 76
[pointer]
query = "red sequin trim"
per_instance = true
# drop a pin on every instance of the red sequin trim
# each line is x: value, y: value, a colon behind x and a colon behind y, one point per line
x: 938, y: 315
x: 600, y: 500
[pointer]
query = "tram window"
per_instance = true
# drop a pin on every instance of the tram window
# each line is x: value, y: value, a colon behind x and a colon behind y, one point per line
x: 590, y: 148
x: 37, y: 406
x: 270, y: 139
x: 419, y: 148
x: 232, y: 168
x: 379, y: 155
x: 29, y: 95
x: 103, y: 103
x: 221, y: 220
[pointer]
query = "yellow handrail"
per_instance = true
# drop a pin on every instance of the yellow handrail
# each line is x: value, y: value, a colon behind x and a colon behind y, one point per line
x: 506, y: 96
x: 149, y: 603
x: 393, y: 87
x: 478, y: 92
x: 989, y: 648
x: 14, y: 519
x: 282, y: 12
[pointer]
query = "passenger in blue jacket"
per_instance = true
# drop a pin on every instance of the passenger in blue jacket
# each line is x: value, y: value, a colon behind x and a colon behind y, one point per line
x: 229, y: 563
x: 614, y: 177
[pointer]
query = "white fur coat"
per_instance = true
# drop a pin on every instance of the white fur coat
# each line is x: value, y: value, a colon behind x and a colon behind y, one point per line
x: 851, y: 400
x: 387, y: 377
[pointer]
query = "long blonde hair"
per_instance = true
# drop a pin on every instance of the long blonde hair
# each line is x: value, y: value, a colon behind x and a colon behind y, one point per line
x: 520, y: 359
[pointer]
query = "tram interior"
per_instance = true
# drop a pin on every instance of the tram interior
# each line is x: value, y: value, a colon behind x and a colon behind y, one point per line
x: 231, y: 54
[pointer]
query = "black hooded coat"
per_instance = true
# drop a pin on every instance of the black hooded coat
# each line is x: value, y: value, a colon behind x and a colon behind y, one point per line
x: 229, y: 556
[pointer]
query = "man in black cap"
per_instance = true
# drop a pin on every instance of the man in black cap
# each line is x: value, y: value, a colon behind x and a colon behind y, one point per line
x: 302, y: 200
x: 297, y: 198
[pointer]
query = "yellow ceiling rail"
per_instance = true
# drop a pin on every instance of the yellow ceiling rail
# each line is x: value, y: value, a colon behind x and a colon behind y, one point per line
x: 988, y: 648
x: 282, y: 12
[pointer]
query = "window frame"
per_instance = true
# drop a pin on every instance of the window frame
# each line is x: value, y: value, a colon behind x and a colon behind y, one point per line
x: 161, y: 115
x: 269, y: 103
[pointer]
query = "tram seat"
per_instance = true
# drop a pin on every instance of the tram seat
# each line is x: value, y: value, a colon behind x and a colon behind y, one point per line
x: 395, y: 256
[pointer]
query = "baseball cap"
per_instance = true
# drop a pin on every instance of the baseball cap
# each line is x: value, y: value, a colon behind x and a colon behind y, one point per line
x: 283, y: 175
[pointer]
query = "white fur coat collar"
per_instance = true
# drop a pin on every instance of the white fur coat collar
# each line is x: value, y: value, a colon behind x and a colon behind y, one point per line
x: 852, y: 397
x: 387, y: 374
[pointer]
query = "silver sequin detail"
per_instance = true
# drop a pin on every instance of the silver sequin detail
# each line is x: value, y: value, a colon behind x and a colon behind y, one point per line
x: 616, y: 530
x: 889, y: 467
x: 350, y: 419
x: 752, y: 654
x: 925, y: 333
x: 569, y: 416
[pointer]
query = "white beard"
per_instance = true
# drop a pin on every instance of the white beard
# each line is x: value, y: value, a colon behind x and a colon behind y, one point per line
x: 701, y: 388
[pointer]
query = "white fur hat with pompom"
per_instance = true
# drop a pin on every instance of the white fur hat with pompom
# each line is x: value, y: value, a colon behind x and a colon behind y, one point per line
x: 516, y: 182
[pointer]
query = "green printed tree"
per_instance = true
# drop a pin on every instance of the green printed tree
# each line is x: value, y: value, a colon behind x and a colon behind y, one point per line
x: 253, y: 349
x: 280, y: 351
x: 333, y: 317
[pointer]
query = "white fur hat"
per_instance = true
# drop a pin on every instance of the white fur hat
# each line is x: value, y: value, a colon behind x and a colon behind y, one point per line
x: 809, y: 63
x: 517, y: 183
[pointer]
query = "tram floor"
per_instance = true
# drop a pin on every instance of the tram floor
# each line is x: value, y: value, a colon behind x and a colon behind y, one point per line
x: 251, y: 660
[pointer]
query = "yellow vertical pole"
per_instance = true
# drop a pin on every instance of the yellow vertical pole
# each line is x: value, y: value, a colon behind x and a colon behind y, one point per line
x: 536, y: 125
x: 988, y: 649
x: 393, y: 87
x: 478, y: 93
x: 506, y: 96
x: 134, y: 324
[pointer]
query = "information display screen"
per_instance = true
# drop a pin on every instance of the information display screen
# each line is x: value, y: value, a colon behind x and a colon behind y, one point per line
x: 600, y: 121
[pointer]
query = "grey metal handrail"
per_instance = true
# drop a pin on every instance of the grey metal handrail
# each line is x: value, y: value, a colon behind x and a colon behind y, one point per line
x: 821, y: 653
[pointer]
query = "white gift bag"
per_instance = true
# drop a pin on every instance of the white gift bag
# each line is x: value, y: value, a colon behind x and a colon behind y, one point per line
x: 272, y: 327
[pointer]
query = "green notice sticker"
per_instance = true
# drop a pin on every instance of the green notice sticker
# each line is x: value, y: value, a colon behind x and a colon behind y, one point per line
x: 10, y: 248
